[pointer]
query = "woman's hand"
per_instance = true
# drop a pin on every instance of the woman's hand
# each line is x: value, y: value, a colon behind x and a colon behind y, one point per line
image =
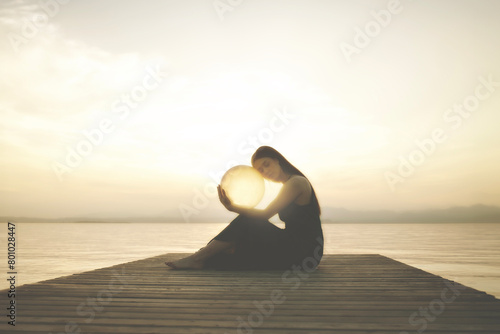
x: 224, y: 199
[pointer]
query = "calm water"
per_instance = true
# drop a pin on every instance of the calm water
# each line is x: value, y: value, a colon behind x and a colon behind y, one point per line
x: 466, y: 253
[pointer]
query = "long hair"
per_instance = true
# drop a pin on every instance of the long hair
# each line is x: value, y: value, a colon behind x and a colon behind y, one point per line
x: 286, y: 166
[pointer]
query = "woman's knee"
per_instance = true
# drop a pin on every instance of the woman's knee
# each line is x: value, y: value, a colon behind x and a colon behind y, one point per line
x: 242, y: 219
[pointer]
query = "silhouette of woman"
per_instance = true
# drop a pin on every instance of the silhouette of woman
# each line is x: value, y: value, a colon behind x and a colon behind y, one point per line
x: 251, y: 242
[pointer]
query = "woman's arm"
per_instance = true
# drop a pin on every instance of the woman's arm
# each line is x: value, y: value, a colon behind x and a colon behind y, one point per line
x: 291, y: 189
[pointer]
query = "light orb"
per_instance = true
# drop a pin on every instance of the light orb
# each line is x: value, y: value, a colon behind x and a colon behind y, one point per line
x: 244, y: 186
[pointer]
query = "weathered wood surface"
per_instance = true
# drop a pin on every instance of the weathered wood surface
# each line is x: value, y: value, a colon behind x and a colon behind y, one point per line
x: 345, y: 294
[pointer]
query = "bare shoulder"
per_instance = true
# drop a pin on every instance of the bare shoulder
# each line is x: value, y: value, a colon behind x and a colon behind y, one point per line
x: 302, y: 187
x: 300, y: 184
x: 298, y: 181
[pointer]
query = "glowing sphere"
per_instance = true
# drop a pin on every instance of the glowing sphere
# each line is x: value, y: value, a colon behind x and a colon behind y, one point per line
x: 244, y: 186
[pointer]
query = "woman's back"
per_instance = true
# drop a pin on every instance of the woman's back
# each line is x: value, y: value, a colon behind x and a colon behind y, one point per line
x: 303, y: 225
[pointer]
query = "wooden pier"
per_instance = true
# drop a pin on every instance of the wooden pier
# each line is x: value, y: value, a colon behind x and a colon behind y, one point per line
x: 345, y: 294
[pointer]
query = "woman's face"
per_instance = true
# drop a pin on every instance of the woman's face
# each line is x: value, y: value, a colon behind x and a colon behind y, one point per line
x: 269, y: 168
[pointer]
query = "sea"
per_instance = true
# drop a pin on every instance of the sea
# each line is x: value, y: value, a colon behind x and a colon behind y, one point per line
x: 465, y: 253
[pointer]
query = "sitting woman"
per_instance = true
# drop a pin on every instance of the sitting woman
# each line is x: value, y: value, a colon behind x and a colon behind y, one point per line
x: 251, y: 242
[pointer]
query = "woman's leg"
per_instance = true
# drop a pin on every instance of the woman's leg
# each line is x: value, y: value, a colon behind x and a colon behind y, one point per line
x: 229, y: 250
x: 241, y: 228
x: 197, y: 260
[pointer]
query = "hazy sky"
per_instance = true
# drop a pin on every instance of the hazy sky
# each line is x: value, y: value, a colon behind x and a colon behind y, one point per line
x: 136, y: 107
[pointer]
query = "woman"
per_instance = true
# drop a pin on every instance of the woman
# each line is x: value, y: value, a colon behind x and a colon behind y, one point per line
x: 251, y: 242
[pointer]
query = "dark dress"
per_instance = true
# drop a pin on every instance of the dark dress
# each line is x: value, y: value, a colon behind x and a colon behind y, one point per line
x: 261, y: 245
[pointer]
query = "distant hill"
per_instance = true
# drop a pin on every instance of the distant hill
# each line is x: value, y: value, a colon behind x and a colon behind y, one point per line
x: 478, y: 213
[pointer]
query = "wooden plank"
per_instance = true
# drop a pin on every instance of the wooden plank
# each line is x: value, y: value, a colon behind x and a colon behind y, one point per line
x: 365, y: 293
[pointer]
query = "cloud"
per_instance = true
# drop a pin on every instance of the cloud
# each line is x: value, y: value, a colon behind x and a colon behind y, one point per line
x: 54, y: 86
